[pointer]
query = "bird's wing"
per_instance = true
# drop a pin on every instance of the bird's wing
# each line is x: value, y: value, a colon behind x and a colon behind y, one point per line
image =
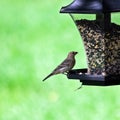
x: 66, y: 65
x: 66, y: 62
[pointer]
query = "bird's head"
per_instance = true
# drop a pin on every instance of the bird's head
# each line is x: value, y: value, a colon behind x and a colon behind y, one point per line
x: 72, y: 54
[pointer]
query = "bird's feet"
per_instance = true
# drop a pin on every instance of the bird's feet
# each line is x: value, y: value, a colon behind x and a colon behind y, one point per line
x: 65, y: 73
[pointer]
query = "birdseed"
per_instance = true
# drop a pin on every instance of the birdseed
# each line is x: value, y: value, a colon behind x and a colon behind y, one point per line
x: 102, y: 48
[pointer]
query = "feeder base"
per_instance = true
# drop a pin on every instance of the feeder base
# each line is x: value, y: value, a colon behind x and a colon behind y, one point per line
x: 98, y: 80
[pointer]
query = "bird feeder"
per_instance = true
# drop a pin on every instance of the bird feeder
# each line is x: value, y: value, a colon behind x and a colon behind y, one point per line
x: 101, y: 38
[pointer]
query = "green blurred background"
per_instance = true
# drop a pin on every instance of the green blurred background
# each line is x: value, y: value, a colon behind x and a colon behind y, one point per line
x: 34, y: 38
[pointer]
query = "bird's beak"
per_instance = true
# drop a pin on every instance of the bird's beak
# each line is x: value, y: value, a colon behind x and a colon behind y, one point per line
x: 76, y: 53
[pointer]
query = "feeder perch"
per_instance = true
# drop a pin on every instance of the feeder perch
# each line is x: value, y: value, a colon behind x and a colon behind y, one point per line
x: 101, y: 39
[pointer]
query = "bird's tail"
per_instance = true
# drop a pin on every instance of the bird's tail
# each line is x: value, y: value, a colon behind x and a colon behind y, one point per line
x: 47, y: 77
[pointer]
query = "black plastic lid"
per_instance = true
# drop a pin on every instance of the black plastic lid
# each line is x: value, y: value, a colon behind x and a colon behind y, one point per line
x: 91, y: 6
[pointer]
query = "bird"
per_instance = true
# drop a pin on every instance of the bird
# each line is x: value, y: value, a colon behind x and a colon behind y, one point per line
x: 65, y: 66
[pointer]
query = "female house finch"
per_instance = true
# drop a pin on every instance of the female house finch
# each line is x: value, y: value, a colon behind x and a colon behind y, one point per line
x: 65, y: 66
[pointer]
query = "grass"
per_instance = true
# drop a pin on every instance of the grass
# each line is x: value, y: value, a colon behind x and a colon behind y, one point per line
x: 34, y: 38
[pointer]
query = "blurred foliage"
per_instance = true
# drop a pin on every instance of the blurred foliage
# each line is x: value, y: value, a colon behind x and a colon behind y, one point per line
x: 34, y: 38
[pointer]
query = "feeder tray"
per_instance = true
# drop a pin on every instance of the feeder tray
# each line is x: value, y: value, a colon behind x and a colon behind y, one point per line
x: 88, y: 79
